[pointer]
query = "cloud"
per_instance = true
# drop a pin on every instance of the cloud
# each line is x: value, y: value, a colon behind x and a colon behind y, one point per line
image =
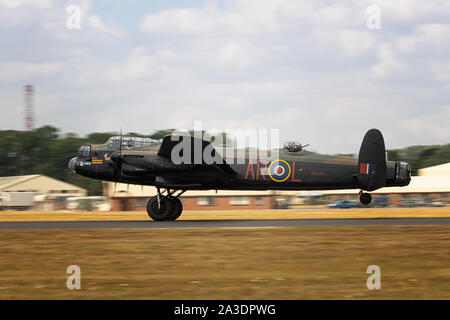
x: 429, y: 38
x: 18, y: 3
x: 241, y: 20
x: 388, y: 62
x: 441, y: 71
x: 17, y: 71
x: 309, y: 68
x: 413, y: 11
x: 434, y: 123
x: 97, y: 23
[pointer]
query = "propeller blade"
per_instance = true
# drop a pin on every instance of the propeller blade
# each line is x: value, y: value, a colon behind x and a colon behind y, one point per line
x: 117, y: 158
x: 120, y: 145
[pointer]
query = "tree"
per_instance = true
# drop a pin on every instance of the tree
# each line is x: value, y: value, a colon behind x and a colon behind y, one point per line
x: 159, y: 134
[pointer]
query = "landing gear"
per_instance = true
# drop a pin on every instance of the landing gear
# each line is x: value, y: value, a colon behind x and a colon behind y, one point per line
x: 365, y: 198
x: 161, y: 212
x: 177, y: 209
x: 165, y: 207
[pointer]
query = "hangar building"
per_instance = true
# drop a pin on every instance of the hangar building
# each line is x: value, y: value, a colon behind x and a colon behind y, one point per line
x: 40, y: 184
x: 36, y: 191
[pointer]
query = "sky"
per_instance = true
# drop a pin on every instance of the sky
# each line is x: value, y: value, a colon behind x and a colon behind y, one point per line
x: 322, y: 72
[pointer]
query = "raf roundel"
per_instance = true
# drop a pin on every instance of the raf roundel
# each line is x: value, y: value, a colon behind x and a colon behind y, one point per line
x: 279, y: 170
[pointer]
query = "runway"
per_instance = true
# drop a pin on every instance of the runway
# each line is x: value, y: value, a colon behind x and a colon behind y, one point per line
x: 257, y: 223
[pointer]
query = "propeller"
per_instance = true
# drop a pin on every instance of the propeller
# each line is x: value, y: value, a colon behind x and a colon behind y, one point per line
x: 116, y: 157
x: 120, y: 145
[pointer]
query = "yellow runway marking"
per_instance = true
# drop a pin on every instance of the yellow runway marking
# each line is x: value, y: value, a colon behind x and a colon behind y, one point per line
x: 306, y: 213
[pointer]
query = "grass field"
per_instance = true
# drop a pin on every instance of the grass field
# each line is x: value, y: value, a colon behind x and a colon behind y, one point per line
x: 272, y: 263
x: 306, y: 213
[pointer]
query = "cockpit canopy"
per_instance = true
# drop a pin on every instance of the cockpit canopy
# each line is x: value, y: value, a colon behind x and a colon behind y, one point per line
x: 130, y: 143
x: 84, y: 151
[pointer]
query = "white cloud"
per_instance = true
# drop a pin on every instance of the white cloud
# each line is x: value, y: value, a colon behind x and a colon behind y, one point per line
x: 432, y: 124
x: 238, y: 54
x: 388, y: 62
x: 97, y: 23
x: 426, y: 37
x: 18, y: 3
x: 20, y: 71
x: 352, y: 43
x: 441, y: 71
x: 310, y: 68
x: 208, y: 22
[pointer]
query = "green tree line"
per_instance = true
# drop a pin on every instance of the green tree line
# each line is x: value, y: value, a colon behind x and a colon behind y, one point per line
x: 46, y: 151
x: 422, y: 156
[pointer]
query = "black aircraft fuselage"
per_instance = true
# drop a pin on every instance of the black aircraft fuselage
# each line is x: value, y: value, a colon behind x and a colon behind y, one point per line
x: 150, y: 162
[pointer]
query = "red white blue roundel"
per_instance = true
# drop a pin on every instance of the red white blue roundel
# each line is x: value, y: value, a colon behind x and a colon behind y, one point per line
x: 279, y: 170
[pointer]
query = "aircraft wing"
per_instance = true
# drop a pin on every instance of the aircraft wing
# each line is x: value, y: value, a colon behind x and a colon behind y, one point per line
x: 196, y: 148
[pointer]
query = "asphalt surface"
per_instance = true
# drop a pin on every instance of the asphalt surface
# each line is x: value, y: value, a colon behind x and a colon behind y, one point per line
x: 261, y: 223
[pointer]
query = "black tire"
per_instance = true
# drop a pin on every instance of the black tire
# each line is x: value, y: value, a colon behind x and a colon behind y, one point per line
x: 365, y: 198
x: 163, y: 212
x: 177, y: 209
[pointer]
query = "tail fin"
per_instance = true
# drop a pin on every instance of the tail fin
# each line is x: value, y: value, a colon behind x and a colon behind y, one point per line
x: 372, y: 161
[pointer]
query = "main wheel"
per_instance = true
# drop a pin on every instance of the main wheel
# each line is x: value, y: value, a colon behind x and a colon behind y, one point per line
x: 177, y: 209
x: 365, y: 198
x: 162, y: 213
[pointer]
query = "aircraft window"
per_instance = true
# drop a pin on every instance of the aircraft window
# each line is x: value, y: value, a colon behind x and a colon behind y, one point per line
x: 130, y: 143
x: 84, y: 151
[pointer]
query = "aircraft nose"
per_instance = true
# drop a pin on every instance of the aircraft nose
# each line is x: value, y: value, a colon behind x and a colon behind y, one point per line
x: 72, y: 164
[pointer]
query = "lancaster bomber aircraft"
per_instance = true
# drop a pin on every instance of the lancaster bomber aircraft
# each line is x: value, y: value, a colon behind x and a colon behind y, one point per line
x: 145, y: 161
